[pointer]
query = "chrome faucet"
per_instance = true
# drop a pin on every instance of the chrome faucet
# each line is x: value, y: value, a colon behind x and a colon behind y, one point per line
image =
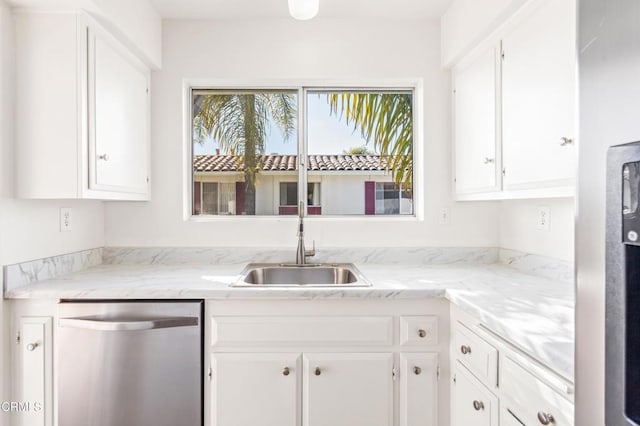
x: 301, y: 253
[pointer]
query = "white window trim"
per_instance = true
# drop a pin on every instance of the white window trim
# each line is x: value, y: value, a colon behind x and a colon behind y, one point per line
x: 304, y: 85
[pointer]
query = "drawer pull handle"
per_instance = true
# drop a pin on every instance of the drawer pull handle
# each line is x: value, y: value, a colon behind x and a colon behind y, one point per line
x: 285, y: 371
x: 465, y: 349
x: 318, y: 371
x: 488, y: 160
x: 417, y: 370
x: 422, y: 333
x: 478, y: 405
x: 103, y: 157
x: 545, y: 418
x: 32, y: 346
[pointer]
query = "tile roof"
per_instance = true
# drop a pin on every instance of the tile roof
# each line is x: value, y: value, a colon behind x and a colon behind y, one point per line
x: 275, y: 163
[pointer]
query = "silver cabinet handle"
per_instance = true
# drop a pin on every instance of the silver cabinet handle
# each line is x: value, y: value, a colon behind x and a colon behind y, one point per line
x: 105, y: 324
x: 32, y: 346
x: 422, y: 333
x: 478, y: 405
x: 488, y: 160
x: 417, y: 370
x: 318, y: 371
x: 566, y: 141
x: 285, y: 371
x: 545, y: 418
x: 104, y: 157
x: 465, y: 349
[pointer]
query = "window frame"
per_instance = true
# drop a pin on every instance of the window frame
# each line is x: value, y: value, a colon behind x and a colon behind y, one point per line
x: 303, y: 87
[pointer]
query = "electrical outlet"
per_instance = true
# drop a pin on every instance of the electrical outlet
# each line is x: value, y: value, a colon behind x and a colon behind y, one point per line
x: 66, y: 219
x: 544, y: 217
x: 445, y: 216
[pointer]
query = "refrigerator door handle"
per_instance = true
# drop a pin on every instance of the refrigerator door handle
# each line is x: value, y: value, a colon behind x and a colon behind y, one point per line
x: 105, y: 324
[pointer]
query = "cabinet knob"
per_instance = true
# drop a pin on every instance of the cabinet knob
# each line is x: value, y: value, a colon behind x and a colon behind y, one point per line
x: 478, y: 405
x: 422, y: 333
x: 318, y: 371
x: 32, y: 346
x: 566, y: 141
x: 488, y: 160
x: 285, y: 371
x: 417, y: 370
x: 465, y: 349
x: 104, y: 157
x: 545, y: 418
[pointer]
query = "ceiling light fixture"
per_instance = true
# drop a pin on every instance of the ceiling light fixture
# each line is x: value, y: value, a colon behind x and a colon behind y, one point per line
x: 304, y: 9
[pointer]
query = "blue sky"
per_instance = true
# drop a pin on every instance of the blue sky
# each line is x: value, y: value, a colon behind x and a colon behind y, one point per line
x: 328, y: 134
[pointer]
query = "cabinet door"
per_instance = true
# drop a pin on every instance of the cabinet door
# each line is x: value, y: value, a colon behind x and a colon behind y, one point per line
x: 35, y: 372
x: 255, y: 389
x: 348, y: 389
x: 475, y: 122
x: 418, y: 389
x: 538, y: 98
x: 118, y: 118
x: 473, y: 404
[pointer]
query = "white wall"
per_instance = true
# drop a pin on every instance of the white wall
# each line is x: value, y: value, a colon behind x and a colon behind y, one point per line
x: 519, y: 230
x: 30, y: 229
x: 467, y: 22
x: 286, y: 49
x: 137, y: 23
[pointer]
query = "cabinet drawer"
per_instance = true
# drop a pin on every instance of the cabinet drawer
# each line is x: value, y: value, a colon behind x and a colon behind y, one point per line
x: 301, y: 331
x: 418, y: 330
x: 477, y: 355
x: 473, y: 404
x: 530, y: 399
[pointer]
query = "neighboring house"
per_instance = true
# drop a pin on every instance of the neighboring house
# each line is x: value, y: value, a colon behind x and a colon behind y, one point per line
x: 337, y: 185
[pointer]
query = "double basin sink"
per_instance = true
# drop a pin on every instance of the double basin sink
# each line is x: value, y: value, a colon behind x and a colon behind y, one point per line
x: 307, y: 275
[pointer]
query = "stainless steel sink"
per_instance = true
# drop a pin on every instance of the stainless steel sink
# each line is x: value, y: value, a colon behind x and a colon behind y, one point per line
x: 308, y: 275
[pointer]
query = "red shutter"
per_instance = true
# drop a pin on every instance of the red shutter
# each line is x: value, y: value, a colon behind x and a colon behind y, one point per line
x: 369, y: 197
x: 196, y: 197
x: 240, y: 198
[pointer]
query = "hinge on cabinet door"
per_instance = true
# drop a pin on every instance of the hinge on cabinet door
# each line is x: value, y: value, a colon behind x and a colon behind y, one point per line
x: 210, y: 373
x: 454, y: 378
x: 18, y: 338
x: 147, y: 90
x: 147, y: 179
x: 438, y: 372
x: 394, y: 373
x: 504, y: 171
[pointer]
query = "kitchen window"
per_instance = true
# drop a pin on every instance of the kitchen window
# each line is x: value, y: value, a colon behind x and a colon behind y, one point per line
x: 355, y: 144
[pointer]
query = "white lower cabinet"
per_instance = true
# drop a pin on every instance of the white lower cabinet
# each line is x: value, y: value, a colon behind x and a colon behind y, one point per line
x: 527, y: 394
x: 419, y: 389
x: 348, y: 389
x: 316, y: 363
x: 34, y: 381
x: 473, y: 404
x: 256, y: 389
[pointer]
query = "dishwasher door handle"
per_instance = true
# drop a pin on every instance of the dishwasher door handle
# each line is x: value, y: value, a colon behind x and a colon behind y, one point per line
x: 104, y: 324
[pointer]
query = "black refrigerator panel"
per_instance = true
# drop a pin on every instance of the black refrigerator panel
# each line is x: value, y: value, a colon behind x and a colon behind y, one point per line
x: 623, y: 286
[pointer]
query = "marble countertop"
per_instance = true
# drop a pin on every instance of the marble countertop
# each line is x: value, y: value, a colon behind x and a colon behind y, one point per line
x: 536, y: 314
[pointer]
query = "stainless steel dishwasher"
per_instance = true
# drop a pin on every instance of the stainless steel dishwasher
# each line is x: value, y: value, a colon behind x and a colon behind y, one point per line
x: 130, y: 363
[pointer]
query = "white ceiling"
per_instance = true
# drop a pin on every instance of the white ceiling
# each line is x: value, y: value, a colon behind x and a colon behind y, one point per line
x: 252, y: 9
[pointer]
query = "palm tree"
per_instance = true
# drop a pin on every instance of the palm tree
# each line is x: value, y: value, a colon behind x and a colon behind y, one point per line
x: 358, y: 150
x: 387, y: 120
x: 240, y: 122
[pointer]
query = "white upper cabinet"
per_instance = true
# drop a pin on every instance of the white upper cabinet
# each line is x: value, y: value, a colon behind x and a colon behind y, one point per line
x: 82, y: 111
x: 514, y: 107
x: 477, y: 151
x: 538, y: 97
